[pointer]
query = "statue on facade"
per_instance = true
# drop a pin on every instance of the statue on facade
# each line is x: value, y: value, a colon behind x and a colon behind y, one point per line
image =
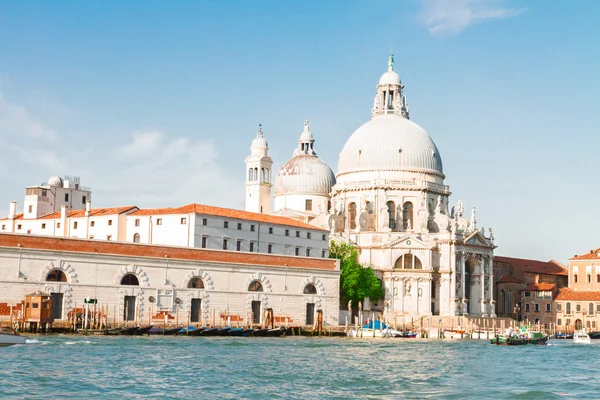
x: 460, y: 209
x: 473, y: 222
x: 491, y: 234
x: 408, y: 225
x: 407, y: 287
x: 438, y: 205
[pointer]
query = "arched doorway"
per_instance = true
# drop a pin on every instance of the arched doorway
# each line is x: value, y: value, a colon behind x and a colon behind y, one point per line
x: 578, y: 324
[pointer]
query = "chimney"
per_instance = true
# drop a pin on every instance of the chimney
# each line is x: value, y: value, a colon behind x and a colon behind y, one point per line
x: 88, y: 208
x: 12, y: 213
x: 63, y: 219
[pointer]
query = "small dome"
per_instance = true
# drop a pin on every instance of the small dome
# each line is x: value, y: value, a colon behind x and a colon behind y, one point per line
x: 55, y: 181
x: 389, y: 142
x: 390, y: 78
x: 260, y: 142
x: 304, y: 174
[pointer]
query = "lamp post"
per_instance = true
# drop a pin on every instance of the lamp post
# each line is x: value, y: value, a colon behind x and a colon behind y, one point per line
x: 517, y: 311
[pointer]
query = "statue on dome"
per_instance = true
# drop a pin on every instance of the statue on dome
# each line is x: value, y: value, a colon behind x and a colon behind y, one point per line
x: 391, y: 62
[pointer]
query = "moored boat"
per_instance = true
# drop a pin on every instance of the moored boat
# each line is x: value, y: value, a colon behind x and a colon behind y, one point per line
x: 8, y: 337
x: 375, y: 329
x: 581, y: 337
x: 143, y: 330
x: 456, y: 334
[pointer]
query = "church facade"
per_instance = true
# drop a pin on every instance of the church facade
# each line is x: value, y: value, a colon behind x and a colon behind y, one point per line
x: 389, y: 200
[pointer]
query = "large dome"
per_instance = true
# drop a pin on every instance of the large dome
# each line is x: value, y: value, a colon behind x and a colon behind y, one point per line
x: 389, y: 142
x: 304, y: 174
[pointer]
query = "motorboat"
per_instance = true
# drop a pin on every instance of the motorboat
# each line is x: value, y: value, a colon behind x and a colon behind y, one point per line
x: 8, y: 337
x: 581, y: 336
x: 456, y: 334
x: 375, y: 329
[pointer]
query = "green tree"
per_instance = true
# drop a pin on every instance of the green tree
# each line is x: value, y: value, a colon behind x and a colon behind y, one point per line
x: 356, y: 281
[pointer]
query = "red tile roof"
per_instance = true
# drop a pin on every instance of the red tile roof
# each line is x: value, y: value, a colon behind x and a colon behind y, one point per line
x: 95, y: 212
x: 592, y: 255
x: 570, y: 294
x: 508, y: 279
x: 18, y: 216
x: 154, y: 251
x: 540, y: 287
x: 551, y: 267
x: 227, y: 213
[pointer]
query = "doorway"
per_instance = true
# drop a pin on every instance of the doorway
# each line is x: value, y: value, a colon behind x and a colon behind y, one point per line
x: 310, y: 313
x: 256, y: 312
x: 57, y: 305
x: 129, y: 308
x: 195, y: 310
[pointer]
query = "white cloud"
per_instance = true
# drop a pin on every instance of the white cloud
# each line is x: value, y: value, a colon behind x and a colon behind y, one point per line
x: 451, y: 17
x: 16, y: 121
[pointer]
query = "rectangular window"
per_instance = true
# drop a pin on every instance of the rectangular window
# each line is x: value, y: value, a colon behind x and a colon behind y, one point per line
x: 19, y: 226
x: 287, y: 232
x: 251, y: 247
x: 297, y: 251
x: 92, y: 223
x: 204, y: 221
x: 224, y: 244
x: 575, y: 278
x: 203, y: 242
x: 271, y: 230
x: 308, y: 235
x: 578, y: 307
x: 159, y: 221
x: 225, y: 224
x: 43, y: 226
x: 251, y: 228
x: 307, y: 252
x: 238, y: 245
x: 137, y: 222
x: 323, y: 253
x: 3, y: 227
x: 66, y: 196
x: 108, y: 237
x: 559, y: 322
x: 536, y: 307
x: 30, y: 208
x: 297, y: 233
x: 58, y: 224
x: 589, y: 278
x: 183, y: 221
x: 597, y: 277
x: 239, y: 226
x: 83, y: 199
x: 308, y: 205
x: 324, y: 237
x: 559, y: 307
x: 75, y: 225
x: 270, y: 248
x: 110, y: 222
x: 598, y: 308
x: 527, y: 294
x: 548, y: 307
x: 44, y: 193
x: 527, y: 307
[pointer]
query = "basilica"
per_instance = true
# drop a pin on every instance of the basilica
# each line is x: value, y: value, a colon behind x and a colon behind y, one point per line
x: 389, y: 200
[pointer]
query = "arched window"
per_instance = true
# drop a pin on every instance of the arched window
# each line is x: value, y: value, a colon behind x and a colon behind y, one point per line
x: 591, y: 309
x: 310, y: 289
x: 196, y: 283
x: 263, y: 175
x: 136, y: 238
x: 255, y: 286
x: 130, y: 280
x: 509, y: 303
x: 267, y: 176
x: 391, y: 214
x: 255, y: 174
x: 56, y: 275
x: 407, y: 215
x: 502, y: 302
x: 352, y: 215
x: 568, y: 309
x: 408, y: 261
x: 250, y: 175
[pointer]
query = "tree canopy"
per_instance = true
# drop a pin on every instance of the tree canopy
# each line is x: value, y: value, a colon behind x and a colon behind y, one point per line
x: 356, y: 281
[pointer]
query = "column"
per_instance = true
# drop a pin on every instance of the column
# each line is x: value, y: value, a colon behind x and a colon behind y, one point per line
x: 482, y: 283
x: 462, y: 283
x: 491, y: 277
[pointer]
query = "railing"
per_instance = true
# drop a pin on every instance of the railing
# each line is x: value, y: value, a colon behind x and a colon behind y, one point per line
x: 394, y: 184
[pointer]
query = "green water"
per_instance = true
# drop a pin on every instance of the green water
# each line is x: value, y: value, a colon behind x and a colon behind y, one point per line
x: 154, y: 367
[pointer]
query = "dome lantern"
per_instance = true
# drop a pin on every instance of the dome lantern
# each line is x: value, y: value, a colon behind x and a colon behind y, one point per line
x: 390, y: 98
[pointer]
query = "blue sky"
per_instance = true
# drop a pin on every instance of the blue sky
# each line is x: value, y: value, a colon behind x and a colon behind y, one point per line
x: 154, y: 103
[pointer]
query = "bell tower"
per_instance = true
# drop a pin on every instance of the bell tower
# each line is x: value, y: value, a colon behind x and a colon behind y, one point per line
x: 258, y: 176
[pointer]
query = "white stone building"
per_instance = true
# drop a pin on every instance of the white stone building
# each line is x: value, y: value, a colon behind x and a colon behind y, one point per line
x: 140, y: 284
x: 389, y: 200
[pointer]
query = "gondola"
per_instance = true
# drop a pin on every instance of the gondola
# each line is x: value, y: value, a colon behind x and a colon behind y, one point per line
x: 259, y: 332
x: 276, y: 332
x: 209, y: 332
x: 144, y: 330
x: 196, y: 332
x: 224, y: 331
x: 171, y: 331
x: 113, y: 331
x: 129, y: 331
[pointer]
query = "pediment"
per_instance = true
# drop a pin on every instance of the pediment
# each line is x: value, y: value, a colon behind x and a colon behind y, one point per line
x: 477, y: 239
x: 408, y: 242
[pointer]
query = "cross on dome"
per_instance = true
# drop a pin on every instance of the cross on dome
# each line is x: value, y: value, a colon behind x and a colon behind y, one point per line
x: 260, y: 132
